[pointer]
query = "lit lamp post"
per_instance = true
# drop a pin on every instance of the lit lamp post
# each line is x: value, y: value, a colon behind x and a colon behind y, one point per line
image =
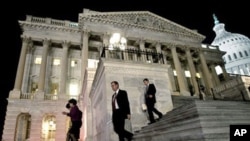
x: 117, y: 42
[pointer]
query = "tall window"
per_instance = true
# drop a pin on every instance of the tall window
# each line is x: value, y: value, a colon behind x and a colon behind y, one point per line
x: 73, y: 63
x: 54, y: 88
x: 74, y: 88
x: 240, y: 54
x: 235, y: 56
x: 48, y: 128
x: 22, y: 127
x: 34, y: 87
x: 246, y: 53
x: 229, y: 58
x: 56, y: 62
x: 38, y: 60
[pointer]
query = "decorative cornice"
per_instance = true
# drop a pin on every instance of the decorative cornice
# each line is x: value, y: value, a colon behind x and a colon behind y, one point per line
x: 144, y: 20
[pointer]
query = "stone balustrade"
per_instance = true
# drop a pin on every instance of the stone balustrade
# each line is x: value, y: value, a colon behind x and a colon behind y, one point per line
x: 27, y: 96
x: 50, y: 97
x: 52, y: 21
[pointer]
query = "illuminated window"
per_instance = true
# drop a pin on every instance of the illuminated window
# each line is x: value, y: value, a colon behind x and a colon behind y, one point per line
x: 198, y: 75
x: 38, y: 60
x: 54, y: 88
x: 92, y: 63
x: 34, y: 87
x: 56, y: 62
x: 73, y: 89
x: 175, y: 74
x: 73, y: 63
x: 49, y: 128
x: 218, y: 69
x: 187, y: 74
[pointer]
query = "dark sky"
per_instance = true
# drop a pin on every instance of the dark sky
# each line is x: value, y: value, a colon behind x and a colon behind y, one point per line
x: 188, y: 13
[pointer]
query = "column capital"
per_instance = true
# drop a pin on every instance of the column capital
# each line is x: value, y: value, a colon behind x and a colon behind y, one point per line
x: 66, y: 44
x: 46, y: 42
x: 26, y: 39
x: 171, y: 45
x: 198, y: 50
x: 86, y: 32
x: 141, y: 41
x: 158, y: 43
x: 186, y: 48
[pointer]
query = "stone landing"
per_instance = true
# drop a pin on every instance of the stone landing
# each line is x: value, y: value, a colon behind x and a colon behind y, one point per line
x: 130, y: 76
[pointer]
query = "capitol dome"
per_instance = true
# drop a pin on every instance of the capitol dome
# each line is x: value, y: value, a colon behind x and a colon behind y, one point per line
x: 236, y: 46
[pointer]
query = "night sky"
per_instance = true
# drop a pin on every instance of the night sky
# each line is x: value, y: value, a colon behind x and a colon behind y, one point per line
x: 193, y: 15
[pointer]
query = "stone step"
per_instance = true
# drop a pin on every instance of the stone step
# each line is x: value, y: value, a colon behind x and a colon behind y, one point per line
x: 197, y: 121
x: 191, y: 123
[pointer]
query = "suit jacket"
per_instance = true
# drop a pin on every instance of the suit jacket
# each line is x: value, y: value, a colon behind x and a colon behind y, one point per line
x: 123, y: 103
x: 151, y: 91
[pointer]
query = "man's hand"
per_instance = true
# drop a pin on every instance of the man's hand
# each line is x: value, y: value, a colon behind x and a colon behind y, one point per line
x: 129, y: 116
x: 150, y: 96
x: 64, y: 113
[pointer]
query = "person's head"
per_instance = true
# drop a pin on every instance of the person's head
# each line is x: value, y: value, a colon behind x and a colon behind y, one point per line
x: 68, y: 106
x: 145, y: 81
x: 72, y: 102
x: 114, y: 85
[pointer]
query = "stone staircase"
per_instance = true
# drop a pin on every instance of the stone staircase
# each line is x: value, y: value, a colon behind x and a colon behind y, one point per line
x: 197, y: 120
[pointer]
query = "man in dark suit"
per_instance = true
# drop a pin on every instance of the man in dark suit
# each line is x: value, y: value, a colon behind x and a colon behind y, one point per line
x: 150, y: 100
x: 121, y: 111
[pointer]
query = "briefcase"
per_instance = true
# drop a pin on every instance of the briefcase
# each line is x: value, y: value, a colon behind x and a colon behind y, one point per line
x: 128, y: 126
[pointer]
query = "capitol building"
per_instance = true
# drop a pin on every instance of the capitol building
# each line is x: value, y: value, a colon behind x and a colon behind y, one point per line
x: 236, y: 46
x: 63, y: 59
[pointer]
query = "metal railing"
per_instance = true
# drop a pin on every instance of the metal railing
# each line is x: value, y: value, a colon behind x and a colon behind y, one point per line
x: 136, y: 55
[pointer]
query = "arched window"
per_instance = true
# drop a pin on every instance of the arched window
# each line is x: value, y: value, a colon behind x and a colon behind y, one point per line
x: 22, y: 127
x: 229, y: 58
x: 240, y: 54
x: 235, y: 56
x: 246, y: 53
x: 49, y: 128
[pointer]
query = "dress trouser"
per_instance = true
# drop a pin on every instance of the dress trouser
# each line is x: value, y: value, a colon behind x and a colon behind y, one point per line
x: 74, y: 131
x: 151, y: 108
x: 118, y: 123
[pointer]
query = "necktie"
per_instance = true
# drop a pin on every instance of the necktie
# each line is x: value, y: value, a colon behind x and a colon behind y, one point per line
x: 113, y: 102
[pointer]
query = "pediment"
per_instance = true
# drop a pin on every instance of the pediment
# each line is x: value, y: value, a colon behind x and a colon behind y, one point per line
x: 141, y: 19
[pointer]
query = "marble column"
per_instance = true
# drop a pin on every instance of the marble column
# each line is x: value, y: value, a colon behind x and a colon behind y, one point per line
x: 225, y: 74
x: 142, y: 48
x: 215, y: 76
x: 179, y: 72
x: 21, y: 64
x: 84, y: 53
x: 192, y: 71
x: 206, y: 73
x: 64, y: 68
x: 42, y: 74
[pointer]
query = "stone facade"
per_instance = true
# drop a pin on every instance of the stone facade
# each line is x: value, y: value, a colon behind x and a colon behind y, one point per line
x: 59, y: 60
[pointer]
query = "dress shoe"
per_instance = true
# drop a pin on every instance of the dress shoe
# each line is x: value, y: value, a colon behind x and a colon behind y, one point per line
x: 151, y: 122
x: 130, y: 138
x: 160, y: 116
